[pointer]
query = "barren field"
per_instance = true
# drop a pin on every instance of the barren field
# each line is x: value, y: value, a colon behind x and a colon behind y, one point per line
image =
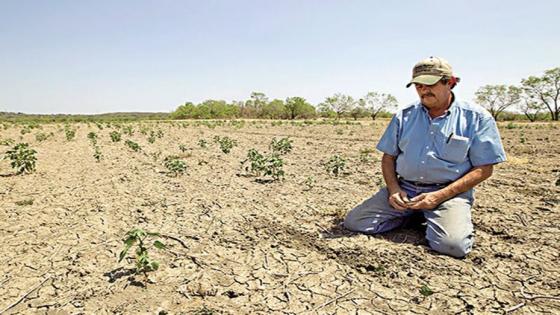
x: 240, y: 245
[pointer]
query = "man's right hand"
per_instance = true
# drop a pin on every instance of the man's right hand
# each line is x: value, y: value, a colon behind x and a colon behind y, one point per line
x: 398, y: 200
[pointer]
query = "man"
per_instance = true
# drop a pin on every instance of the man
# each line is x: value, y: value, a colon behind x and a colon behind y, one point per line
x: 434, y: 152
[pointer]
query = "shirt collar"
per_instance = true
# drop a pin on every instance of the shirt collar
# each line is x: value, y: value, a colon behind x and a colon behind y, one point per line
x: 447, y: 112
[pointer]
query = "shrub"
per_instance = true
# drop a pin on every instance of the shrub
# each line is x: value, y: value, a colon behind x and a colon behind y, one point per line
x: 281, y: 146
x: 22, y: 158
x: 143, y: 262
x: 335, y: 165
x: 115, y: 136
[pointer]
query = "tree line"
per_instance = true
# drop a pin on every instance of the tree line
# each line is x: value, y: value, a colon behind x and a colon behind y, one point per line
x: 536, y: 97
x: 373, y: 105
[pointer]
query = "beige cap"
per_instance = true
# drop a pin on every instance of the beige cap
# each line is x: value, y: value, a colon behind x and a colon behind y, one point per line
x: 430, y: 70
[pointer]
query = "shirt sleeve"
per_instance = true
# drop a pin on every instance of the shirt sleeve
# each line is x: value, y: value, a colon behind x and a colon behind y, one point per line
x: 389, y: 142
x: 486, y: 147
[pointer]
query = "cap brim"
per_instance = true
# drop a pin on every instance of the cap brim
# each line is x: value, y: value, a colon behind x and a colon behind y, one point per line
x: 426, y: 79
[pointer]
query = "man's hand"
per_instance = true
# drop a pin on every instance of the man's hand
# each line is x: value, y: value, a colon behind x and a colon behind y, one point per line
x: 425, y: 201
x: 399, y: 200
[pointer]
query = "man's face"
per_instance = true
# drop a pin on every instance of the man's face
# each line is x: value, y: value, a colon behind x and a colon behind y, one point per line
x: 434, y: 96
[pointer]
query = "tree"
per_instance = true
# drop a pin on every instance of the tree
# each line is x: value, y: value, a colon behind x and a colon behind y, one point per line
x: 358, y: 111
x: 531, y: 108
x: 274, y: 110
x: 184, y: 111
x: 375, y: 102
x: 497, y: 98
x: 545, y: 89
x: 254, y: 105
x: 298, y: 107
x: 339, y: 103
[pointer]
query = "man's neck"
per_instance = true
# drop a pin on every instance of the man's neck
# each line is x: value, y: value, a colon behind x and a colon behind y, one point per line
x: 440, y: 110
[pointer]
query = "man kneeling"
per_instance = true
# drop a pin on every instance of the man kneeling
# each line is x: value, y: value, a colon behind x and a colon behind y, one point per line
x: 435, y: 151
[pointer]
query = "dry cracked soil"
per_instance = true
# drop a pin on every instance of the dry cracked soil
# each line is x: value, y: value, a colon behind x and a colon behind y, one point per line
x: 239, y: 244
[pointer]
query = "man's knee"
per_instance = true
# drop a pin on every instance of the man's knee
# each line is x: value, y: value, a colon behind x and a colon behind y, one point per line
x: 454, y: 246
x: 353, y: 222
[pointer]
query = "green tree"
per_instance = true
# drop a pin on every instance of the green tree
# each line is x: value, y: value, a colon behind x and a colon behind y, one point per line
x: 253, y: 107
x: 374, y: 103
x: 497, y: 98
x: 545, y: 89
x: 339, y: 103
x: 184, y: 111
x: 274, y: 110
x: 297, y: 107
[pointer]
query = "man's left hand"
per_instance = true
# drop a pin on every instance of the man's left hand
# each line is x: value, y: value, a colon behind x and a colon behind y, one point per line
x: 425, y: 201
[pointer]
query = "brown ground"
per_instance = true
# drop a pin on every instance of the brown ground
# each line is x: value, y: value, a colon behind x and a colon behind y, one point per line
x: 265, y: 248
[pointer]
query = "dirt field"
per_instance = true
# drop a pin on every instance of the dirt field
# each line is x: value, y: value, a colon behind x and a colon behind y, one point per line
x: 236, y: 245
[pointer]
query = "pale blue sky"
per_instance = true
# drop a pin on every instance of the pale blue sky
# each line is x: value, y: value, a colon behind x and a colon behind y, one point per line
x: 109, y: 56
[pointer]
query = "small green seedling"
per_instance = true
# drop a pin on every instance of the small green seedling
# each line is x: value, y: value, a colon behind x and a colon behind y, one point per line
x: 70, y: 134
x: 183, y: 148
x: 309, y: 183
x: 426, y: 291
x: 261, y: 165
x: 97, y: 154
x: 22, y: 158
x: 202, y: 143
x: 115, y: 136
x: 175, y: 165
x: 92, y: 136
x: 143, y: 262
x: 335, y: 165
x: 281, y: 146
x: 226, y: 143
x: 7, y: 141
x: 133, y: 145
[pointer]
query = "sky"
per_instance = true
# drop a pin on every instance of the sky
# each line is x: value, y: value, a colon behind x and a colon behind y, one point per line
x: 87, y: 57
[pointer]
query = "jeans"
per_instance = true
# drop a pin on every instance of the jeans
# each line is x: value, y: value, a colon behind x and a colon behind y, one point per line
x: 449, y: 225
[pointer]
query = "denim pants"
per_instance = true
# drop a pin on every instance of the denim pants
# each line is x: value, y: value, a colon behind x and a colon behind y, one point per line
x: 449, y: 225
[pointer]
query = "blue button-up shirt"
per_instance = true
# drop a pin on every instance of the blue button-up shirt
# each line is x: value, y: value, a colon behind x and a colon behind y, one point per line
x: 442, y: 149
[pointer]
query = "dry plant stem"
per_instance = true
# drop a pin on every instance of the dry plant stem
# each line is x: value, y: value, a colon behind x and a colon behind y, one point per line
x: 25, y: 295
x: 333, y: 300
x: 513, y: 308
x: 534, y: 297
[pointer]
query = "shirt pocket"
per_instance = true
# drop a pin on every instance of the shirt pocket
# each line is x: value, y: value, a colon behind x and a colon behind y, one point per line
x: 455, y: 149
